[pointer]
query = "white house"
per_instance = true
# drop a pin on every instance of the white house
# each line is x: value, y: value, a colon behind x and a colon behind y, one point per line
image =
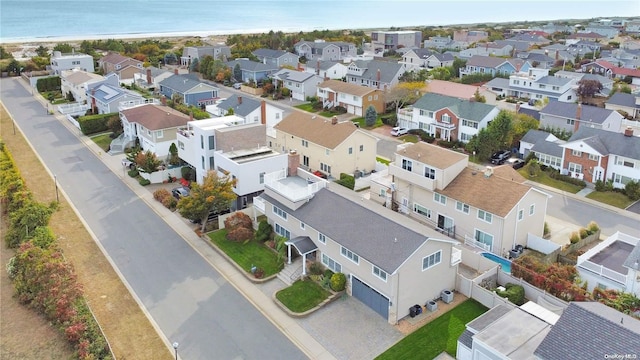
x: 76, y: 82
x: 327, y: 69
x: 301, y: 84
x: 61, y: 62
x: 536, y: 84
x: 249, y: 109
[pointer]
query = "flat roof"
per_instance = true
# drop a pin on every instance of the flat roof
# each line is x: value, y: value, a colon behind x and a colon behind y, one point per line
x: 613, y: 256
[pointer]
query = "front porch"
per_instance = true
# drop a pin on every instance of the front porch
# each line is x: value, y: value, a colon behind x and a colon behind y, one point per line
x: 304, y: 246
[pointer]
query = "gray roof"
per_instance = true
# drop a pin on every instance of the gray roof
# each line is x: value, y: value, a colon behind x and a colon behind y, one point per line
x: 324, y: 64
x: 485, y: 61
x: 548, y: 148
x: 554, y: 81
x: 247, y: 107
x: 609, y: 142
x: 269, y: 53
x: 623, y: 99
x: 466, y: 338
x: 488, y: 318
x: 423, y: 53
x: 531, y: 112
x: 304, y: 244
x: 107, y: 93
x: 293, y: 75
x: 443, y: 57
x: 248, y: 65
x: 589, y: 330
x: 569, y: 110
x: 338, y: 218
x: 323, y: 44
x: 388, y: 70
x: 500, y: 83
x: 540, y: 58
x: 462, y: 108
x: 517, y: 44
x: 633, y: 258
x: 534, y: 136
x: 182, y: 83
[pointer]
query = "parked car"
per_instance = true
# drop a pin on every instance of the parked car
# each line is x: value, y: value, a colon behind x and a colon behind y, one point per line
x: 516, y: 163
x: 500, y: 157
x: 399, y: 131
x: 128, y: 163
x: 237, y: 86
x: 180, y: 192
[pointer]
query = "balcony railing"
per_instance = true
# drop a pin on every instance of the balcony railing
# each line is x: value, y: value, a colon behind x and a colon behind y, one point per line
x: 456, y: 256
x: 475, y: 243
x: 604, y: 272
x: 259, y: 203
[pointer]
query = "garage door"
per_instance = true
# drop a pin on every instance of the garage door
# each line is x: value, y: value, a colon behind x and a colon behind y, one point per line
x: 370, y: 297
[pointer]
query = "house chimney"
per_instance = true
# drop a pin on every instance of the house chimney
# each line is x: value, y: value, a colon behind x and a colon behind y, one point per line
x: 293, y: 163
x: 557, y: 55
x: 93, y: 100
x: 378, y: 78
x: 578, y: 116
x: 628, y: 131
x: 239, y: 100
x: 263, y: 112
x: 163, y: 100
x: 175, y: 71
x: 148, y: 76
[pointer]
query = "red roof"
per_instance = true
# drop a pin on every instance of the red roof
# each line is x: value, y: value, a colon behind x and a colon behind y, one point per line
x: 616, y: 70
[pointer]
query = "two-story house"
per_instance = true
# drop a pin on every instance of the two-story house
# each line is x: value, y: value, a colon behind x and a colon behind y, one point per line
x: 61, y: 62
x: 325, y: 50
x: 416, y: 58
x: 610, y: 70
x: 470, y: 36
x: 479, y: 64
x: 151, y: 77
x: 444, y: 42
x: 191, y: 53
x: 252, y: 70
x: 569, y: 117
x: 125, y: 67
x: 189, y: 89
x: 628, y: 103
x: 355, y: 98
x: 537, y: 84
x: 76, y: 82
x: 105, y: 96
x: 487, y: 49
x: 278, y: 58
x: 326, y: 69
x: 327, y: 146
x: 301, y: 84
x: 250, y: 110
x: 492, y: 209
x: 447, y: 117
x: 374, y: 73
x: 391, y: 263
x: 392, y: 40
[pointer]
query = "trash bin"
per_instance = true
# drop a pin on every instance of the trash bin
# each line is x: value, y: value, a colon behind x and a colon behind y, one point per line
x: 418, y: 309
x: 412, y: 311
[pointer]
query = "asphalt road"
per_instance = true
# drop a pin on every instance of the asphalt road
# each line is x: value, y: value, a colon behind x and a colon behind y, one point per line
x: 189, y: 301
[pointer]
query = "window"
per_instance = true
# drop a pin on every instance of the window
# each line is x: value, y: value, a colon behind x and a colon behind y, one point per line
x: 446, y: 118
x: 570, y: 121
x: 407, y: 164
x: 355, y: 98
x: 594, y: 157
x: 620, y: 179
x: 430, y: 114
x: 370, y: 98
x: 379, y: 273
x: 262, y: 178
x: 277, y: 116
x: 331, y: 264
x: 431, y: 260
x: 573, y: 167
x: 520, y: 214
x: 212, y: 164
x: 283, y: 214
x: 469, y: 123
x: 383, y: 192
x: 419, y: 209
x: 159, y: 134
x: 555, y: 88
x: 202, y: 161
x: 532, y: 209
x: 486, y: 216
x: 302, y: 225
x: 429, y: 173
x: 576, y: 153
x: 542, y: 86
x: 350, y: 150
x: 212, y: 142
x: 322, y: 238
x: 181, y: 145
x: 464, y: 137
x: 326, y: 152
x: 548, y: 160
x: 460, y: 206
x: 305, y: 143
x: 326, y: 168
x: 201, y: 142
x: 305, y: 160
x: 349, y: 254
x: 484, y: 238
x: 440, y: 198
x: 361, y: 148
x: 282, y: 231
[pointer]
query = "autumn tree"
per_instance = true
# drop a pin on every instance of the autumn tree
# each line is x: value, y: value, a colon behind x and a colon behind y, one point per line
x: 147, y: 161
x: 213, y: 196
x: 403, y: 94
x: 588, y: 88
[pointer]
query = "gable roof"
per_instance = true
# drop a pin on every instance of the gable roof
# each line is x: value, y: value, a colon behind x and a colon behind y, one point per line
x: 443, y: 57
x: 587, y: 330
x: 462, y: 108
x: 323, y: 44
x: 421, y: 53
x: 108, y: 93
x: 269, y: 53
x: 433, y: 155
x: 485, y: 61
x: 294, y: 75
x: 388, y: 70
x: 78, y: 77
x: 316, y: 129
x: 533, y: 136
x: 254, y: 66
x: 569, y: 110
x: 608, y: 142
x: 156, y: 117
x: 183, y: 83
x: 347, y: 88
x: 324, y: 64
x: 534, y: 113
x: 115, y: 58
x: 497, y: 194
x: 623, y: 99
x: 243, y: 109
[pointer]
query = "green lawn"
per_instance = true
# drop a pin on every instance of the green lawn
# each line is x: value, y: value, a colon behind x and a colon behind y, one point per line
x: 543, y: 178
x: 437, y: 336
x: 302, y: 295
x: 306, y: 107
x: 410, y: 138
x: 360, y: 122
x: 612, y: 198
x: 248, y: 254
x: 328, y: 114
x: 102, y: 140
x: 382, y: 160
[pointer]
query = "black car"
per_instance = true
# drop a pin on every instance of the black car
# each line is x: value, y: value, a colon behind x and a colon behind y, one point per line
x: 500, y: 157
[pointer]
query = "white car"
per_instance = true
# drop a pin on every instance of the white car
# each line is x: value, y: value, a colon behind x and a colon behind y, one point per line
x: 399, y: 131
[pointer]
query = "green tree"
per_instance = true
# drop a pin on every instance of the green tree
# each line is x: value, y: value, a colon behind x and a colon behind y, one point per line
x: 213, y: 196
x: 370, y: 116
x: 479, y: 98
x: 4, y: 54
x: 237, y: 72
x: 13, y: 67
x: 42, y: 51
x: 457, y: 65
x: 521, y: 124
x: 195, y: 66
x: 147, y: 162
x: 64, y: 48
x: 173, y: 154
x: 441, y: 73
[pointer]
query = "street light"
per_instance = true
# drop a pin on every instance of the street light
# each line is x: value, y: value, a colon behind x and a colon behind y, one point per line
x: 175, y: 347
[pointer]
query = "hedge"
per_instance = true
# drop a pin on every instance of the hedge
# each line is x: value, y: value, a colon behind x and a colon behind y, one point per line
x: 92, y: 124
x: 51, y: 83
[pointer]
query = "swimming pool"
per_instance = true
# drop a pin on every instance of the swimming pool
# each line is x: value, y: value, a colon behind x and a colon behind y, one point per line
x: 506, y: 264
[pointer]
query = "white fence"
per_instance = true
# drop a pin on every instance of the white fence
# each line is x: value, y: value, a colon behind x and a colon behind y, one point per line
x: 73, y: 109
x: 73, y: 121
x: 541, y: 245
x: 158, y: 177
x: 531, y: 292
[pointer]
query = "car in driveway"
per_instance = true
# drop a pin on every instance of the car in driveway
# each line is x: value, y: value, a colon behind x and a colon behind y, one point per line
x: 180, y: 192
x: 516, y: 163
x: 237, y: 86
x: 399, y: 131
x: 499, y: 157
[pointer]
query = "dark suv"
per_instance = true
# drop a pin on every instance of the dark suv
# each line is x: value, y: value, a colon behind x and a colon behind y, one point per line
x: 500, y: 157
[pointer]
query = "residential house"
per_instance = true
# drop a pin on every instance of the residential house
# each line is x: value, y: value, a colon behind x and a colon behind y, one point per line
x: 106, y: 96
x: 250, y: 110
x: 153, y: 126
x: 448, y: 118
x: 252, y: 71
x: 278, y: 58
x: 495, y: 66
x: 545, y: 146
x: 493, y: 210
x: 76, y: 82
x: 584, y: 36
x: 392, y: 40
x: 325, y: 51
x: 613, y: 264
x: 125, y: 67
x: 327, y: 69
x: 590, y: 330
x: 151, y: 77
x: 191, y: 53
x: 552, y: 28
x: 497, y: 86
x: 515, y: 45
x: 582, y: 49
x: 538, y: 60
x: 61, y: 62
x: 608, y: 32
x: 441, y: 43
x: 301, y: 84
x: 189, y: 89
x: 607, y: 83
x: 531, y: 38
x: 470, y: 36
x: 593, y: 154
x: 536, y: 84
x: 327, y: 146
x: 416, y: 58
x: 627, y: 103
x: 460, y: 91
x: 374, y: 73
x: 392, y: 264
x: 355, y: 98
x: 569, y: 116
x: 488, y: 49
x: 632, y: 26
x: 610, y: 70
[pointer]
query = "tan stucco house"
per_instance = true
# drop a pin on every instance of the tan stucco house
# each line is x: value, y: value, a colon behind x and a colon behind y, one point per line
x: 355, y: 98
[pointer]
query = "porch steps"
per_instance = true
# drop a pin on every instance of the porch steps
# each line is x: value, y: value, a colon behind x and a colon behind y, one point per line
x: 291, y: 272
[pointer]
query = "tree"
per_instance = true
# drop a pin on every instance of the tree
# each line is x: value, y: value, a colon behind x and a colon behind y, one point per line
x: 4, y: 54
x: 237, y: 72
x: 457, y: 65
x: 403, y: 93
x: 479, y: 98
x: 521, y: 124
x: 13, y: 67
x: 173, y: 154
x: 195, y: 65
x: 588, y: 88
x: 213, y: 196
x: 170, y: 58
x: 370, y: 116
x: 147, y: 162
x: 441, y: 73
x: 42, y: 51
x: 115, y: 125
x: 64, y: 48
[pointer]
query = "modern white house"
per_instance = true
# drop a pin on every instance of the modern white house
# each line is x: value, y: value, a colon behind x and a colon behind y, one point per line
x: 250, y: 109
x: 76, y: 82
x: 301, y: 84
x: 536, y: 84
x: 61, y: 62
x: 326, y: 69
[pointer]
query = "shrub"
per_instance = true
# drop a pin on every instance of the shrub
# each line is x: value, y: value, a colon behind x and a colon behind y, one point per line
x: 92, y: 124
x: 583, y: 233
x: 338, y: 282
x: 340, y: 109
x: 239, y: 234
x: 43, y: 237
x: 264, y: 231
x: 328, y: 273
x: 170, y: 203
x: 161, y: 194
x: 186, y: 173
x: 316, y: 268
x: 600, y: 186
x: 575, y: 237
x: 451, y: 144
x: 144, y: 182
x: 632, y: 190
x: 514, y: 293
x: 347, y: 181
x: 593, y: 227
x: 546, y: 230
x: 239, y: 219
x: 133, y: 173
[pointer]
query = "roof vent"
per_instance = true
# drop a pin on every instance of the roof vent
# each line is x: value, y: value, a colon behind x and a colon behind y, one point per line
x: 488, y: 171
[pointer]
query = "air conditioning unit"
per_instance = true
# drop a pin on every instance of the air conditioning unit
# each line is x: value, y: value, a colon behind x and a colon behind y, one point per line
x: 447, y: 296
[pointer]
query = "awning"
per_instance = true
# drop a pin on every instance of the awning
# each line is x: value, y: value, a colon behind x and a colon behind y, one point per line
x: 303, y: 244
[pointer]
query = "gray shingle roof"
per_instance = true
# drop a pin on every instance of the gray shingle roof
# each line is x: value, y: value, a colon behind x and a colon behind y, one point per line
x: 293, y: 75
x: 324, y: 65
x: 443, y: 57
x: 466, y: 338
x: 462, y: 108
x: 181, y: 83
x: 531, y: 112
x: 533, y: 136
x: 485, y: 61
x: 623, y: 99
x: 548, y: 148
x: 248, y: 65
x: 568, y: 110
x: 423, y: 53
x: 554, y: 81
x: 359, y: 229
x: 589, y: 330
x: 500, y: 83
x: 247, y: 107
x: 609, y: 142
x: 269, y: 53
x: 388, y: 70
x: 633, y: 258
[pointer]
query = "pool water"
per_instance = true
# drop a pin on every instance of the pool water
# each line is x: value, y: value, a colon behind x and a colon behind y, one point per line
x: 506, y: 264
